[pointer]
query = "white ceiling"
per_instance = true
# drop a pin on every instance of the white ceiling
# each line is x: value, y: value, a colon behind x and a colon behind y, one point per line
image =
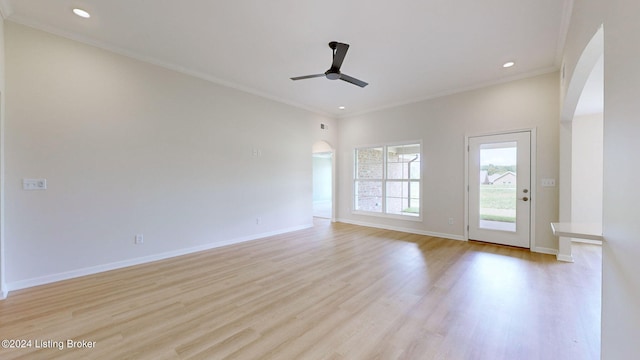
x: 407, y: 50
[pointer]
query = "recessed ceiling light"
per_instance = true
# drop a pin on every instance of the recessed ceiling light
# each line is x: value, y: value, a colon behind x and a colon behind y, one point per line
x: 81, y: 13
x: 508, y: 64
x: 341, y: 107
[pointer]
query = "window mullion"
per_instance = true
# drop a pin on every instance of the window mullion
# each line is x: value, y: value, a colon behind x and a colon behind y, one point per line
x: 384, y: 179
x: 395, y: 179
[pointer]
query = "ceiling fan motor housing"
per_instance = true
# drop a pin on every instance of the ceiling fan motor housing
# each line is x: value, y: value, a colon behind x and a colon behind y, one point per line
x: 332, y: 74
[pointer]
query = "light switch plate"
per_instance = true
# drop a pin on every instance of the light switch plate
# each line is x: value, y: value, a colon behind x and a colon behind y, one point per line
x: 548, y: 182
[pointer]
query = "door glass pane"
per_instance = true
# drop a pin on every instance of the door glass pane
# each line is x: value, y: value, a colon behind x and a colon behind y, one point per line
x: 498, y: 165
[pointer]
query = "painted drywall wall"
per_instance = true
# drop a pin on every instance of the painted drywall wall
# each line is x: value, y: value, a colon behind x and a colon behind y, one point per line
x: 325, y: 134
x: 586, y: 20
x: 3, y: 287
x: 130, y: 148
x: 442, y: 124
x: 621, y: 249
x: 586, y: 168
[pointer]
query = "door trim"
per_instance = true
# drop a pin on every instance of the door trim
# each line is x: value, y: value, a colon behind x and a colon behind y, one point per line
x: 534, y: 181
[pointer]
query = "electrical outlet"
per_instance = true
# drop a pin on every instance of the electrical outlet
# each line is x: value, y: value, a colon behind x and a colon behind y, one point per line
x: 139, y: 239
x: 450, y: 221
x: 258, y: 221
x: 34, y: 184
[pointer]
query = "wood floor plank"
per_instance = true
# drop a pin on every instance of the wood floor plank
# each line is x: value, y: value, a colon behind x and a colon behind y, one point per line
x: 335, y: 291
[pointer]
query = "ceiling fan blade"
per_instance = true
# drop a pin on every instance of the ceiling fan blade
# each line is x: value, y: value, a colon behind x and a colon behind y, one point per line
x: 338, y: 55
x: 307, y: 77
x: 353, y: 80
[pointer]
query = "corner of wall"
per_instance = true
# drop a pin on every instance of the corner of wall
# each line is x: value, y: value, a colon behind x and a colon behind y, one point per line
x: 585, y: 63
x: 3, y: 286
x: 5, y: 9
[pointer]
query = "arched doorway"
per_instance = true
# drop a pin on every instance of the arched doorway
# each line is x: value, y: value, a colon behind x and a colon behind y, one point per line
x: 581, y: 142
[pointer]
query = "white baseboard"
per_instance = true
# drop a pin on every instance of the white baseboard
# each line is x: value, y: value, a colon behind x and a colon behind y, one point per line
x: 403, y: 229
x: 543, y: 250
x: 563, y: 257
x: 3, y: 294
x: 23, y: 284
x: 587, y: 241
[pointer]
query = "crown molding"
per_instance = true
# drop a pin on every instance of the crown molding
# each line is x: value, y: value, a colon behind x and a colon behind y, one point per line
x: 567, y: 12
x: 5, y: 8
x: 454, y: 91
x: 25, y: 21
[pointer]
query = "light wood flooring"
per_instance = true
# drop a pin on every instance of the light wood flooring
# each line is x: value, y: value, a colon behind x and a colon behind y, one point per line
x: 335, y: 291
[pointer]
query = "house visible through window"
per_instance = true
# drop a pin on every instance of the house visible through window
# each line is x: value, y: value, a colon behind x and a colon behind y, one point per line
x: 387, y: 180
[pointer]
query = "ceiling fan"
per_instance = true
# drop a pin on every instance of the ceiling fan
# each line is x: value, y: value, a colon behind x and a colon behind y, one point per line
x: 339, y: 52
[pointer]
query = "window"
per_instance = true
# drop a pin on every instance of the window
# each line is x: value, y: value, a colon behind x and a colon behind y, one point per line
x: 387, y: 180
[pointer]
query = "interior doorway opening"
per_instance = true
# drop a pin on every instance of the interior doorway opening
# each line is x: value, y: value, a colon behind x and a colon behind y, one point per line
x: 323, y: 180
x: 581, y: 145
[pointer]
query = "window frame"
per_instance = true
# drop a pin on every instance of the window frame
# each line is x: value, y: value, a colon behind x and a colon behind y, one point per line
x: 385, y: 178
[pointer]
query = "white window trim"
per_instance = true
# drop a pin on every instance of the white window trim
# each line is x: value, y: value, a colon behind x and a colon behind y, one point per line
x: 384, y: 214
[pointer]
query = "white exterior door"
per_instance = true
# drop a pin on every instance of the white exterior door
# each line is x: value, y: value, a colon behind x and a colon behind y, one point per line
x: 500, y: 188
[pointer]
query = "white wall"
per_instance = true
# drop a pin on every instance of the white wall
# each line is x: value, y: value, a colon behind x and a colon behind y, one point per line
x: 3, y: 287
x: 442, y: 124
x: 130, y: 148
x: 621, y: 250
x: 586, y: 169
x: 327, y: 138
x: 586, y: 19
